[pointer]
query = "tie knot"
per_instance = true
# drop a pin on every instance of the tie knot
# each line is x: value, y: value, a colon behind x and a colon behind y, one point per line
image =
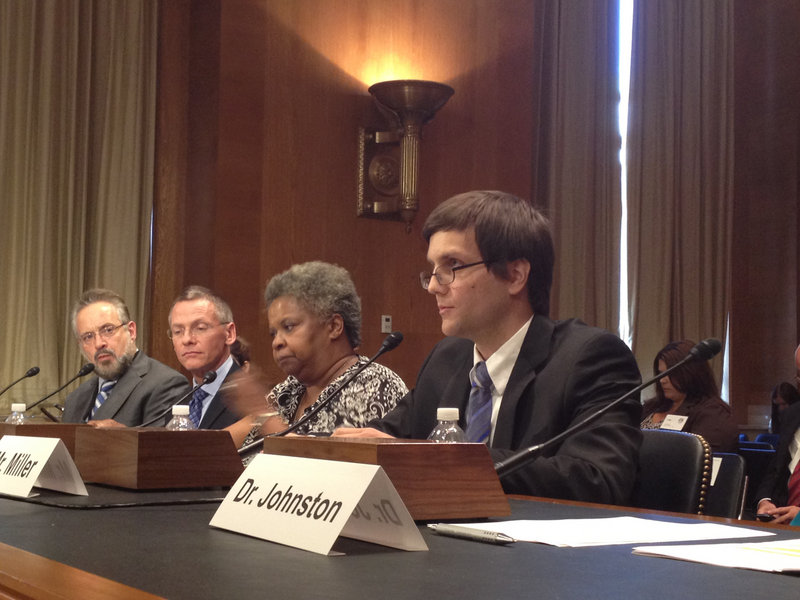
x: 106, y: 387
x: 199, y: 395
x: 480, y: 376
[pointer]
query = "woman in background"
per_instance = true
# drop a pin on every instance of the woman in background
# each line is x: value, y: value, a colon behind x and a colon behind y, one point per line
x: 314, y: 318
x: 691, y: 394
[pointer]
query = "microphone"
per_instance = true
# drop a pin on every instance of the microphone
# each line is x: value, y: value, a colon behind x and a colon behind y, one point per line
x: 29, y: 373
x: 702, y: 351
x: 207, y: 378
x: 389, y: 343
x: 84, y: 370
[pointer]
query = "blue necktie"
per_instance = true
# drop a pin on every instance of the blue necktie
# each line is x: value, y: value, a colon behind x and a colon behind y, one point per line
x: 479, y: 408
x: 102, y: 395
x: 196, y: 406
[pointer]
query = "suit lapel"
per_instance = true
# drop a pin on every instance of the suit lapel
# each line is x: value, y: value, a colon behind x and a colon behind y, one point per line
x: 217, y: 405
x: 84, y: 412
x: 456, y: 390
x: 533, y: 353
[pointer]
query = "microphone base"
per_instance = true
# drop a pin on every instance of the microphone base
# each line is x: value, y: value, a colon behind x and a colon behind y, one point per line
x: 435, y: 481
x: 157, y: 459
x: 66, y: 432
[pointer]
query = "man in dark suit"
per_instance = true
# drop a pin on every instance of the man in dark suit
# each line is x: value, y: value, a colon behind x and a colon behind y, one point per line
x: 202, y: 330
x: 779, y: 492
x: 492, y: 259
x: 130, y: 388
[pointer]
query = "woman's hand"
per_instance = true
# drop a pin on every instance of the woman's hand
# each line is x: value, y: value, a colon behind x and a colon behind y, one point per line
x: 359, y: 432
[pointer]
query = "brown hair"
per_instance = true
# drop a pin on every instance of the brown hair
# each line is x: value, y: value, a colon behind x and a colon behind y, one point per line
x: 695, y: 378
x: 507, y: 228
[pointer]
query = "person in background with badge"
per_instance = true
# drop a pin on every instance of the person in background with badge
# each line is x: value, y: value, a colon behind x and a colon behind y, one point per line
x: 688, y: 400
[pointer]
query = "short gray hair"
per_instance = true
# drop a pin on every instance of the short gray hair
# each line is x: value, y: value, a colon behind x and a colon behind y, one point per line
x: 95, y: 295
x: 325, y: 290
x: 222, y: 310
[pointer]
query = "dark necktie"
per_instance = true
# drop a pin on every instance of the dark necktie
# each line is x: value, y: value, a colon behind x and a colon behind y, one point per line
x: 196, y: 406
x: 479, y: 408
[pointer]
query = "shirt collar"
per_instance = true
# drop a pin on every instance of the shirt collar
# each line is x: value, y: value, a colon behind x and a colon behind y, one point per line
x: 501, y: 363
x: 222, y: 372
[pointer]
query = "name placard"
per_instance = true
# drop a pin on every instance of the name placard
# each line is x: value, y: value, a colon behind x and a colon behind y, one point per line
x: 27, y: 461
x: 307, y: 503
x: 674, y: 422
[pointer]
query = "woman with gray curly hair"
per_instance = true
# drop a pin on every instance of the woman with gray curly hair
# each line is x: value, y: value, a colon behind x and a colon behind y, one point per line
x: 314, y: 318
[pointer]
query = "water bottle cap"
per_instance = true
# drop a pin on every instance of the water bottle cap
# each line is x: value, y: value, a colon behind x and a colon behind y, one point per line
x: 180, y: 410
x: 447, y: 414
x: 18, y: 407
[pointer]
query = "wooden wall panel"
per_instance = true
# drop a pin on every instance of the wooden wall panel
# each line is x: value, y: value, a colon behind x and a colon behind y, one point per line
x: 764, y: 325
x: 292, y: 91
x: 259, y: 102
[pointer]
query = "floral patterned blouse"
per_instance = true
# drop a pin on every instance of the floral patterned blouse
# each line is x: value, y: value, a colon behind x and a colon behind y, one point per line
x: 369, y: 396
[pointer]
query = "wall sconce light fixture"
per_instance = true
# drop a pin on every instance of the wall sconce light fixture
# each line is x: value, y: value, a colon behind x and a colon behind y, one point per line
x: 387, y: 184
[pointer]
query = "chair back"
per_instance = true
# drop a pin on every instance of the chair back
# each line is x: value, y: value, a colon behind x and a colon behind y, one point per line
x: 726, y: 492
x: 769, y: 438
x: 674, y: 470
x: 756, y: 445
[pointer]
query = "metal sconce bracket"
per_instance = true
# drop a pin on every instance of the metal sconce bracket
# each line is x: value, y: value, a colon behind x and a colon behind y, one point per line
x: 378, y: 174
x: 388, y: 164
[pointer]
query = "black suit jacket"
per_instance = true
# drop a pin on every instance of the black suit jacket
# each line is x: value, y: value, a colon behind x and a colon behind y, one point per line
x: 147, y: 389
x: 775, y: 484
x: 218, y: 416
x: 565, y: 371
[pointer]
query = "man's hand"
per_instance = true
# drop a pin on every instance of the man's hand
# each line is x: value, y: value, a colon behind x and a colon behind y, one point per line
x: 782, y: 514
x: 765, y: 507
x: 359, y: 432
x: 105, y: 423
x: 785, y: 514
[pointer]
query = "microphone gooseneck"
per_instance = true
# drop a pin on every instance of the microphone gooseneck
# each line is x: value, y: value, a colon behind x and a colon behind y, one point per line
x: 389, y: 343
x: 29, y: 373
x: 209, y: 377
x: 84, y: 370
x: 704, y: 350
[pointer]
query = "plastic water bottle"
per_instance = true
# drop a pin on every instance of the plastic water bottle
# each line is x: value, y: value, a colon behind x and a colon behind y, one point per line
x: 17, y: 416
x: 180, y: 419
x: 447, y: 429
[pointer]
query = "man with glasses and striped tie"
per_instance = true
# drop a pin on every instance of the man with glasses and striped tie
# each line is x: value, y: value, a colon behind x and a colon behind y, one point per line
x: 517, y: 377
x: 129, y: 388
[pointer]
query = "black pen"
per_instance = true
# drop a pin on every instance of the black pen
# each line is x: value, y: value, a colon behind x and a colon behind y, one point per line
x: 468, y: 533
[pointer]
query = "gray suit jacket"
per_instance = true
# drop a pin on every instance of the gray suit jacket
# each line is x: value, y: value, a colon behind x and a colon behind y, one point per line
x: 565, y: 371
x: 147, y: 389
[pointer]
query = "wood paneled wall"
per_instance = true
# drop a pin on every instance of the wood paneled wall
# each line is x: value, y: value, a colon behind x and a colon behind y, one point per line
x: 764, y: 322
x: 259, y: 102
x: 259, y: 105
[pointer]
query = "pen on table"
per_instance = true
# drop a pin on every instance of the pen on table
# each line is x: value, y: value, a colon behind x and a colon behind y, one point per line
x: 468, y: 533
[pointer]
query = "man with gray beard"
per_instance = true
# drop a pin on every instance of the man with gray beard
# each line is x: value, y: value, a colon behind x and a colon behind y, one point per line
x: 129, y: 388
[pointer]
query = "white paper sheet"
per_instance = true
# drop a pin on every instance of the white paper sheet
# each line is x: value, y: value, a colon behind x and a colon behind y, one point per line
x: 778, y: 556
x: 614, y: 530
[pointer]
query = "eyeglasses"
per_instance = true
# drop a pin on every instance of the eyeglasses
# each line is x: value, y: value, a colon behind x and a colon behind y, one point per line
x: 444, y: 275
x: 104, y: 333
x: 199, y: 330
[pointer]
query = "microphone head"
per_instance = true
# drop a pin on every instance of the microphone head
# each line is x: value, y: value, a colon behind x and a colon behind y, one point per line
x: 392, y: 341
x: 209, y: 377
x: 32, y: 371
x: 86, y: 369
x: 706, y: 349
